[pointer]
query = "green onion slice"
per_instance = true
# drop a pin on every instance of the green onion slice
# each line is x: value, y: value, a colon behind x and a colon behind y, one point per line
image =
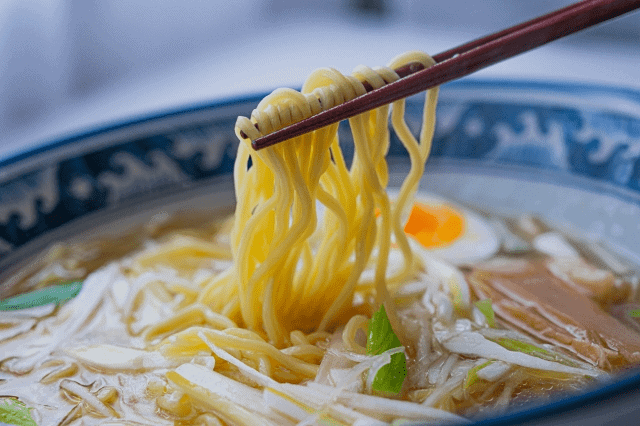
x: 58, y: 293
x: 380, y: 339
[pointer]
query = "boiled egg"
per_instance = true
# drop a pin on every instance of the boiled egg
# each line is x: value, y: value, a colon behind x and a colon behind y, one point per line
x: 449, y: 231
x: 444, y: 229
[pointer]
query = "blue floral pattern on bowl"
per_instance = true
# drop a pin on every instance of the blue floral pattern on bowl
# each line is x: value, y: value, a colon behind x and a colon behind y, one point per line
x: 594, y: 139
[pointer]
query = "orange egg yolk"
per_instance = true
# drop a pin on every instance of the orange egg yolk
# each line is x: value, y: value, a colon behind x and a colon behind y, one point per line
x: 434, y: 226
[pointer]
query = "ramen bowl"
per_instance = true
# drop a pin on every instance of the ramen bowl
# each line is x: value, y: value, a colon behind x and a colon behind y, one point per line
x: 569, y: 154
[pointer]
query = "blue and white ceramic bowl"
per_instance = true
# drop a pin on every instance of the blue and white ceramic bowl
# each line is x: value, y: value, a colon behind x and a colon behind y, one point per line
x: 569, y: 153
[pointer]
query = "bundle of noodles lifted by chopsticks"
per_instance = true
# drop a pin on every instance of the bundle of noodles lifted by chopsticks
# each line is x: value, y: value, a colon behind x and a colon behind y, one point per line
x: 293, y: 270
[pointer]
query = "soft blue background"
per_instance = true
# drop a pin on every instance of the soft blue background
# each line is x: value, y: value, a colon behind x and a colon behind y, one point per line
x: 68, y: 65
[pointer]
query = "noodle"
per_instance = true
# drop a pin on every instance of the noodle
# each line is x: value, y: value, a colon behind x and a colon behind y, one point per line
x: 279, y: 273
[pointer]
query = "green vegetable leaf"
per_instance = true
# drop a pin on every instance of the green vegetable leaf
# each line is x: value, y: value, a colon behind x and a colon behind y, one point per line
x: 14, y: 412
x: 533, y: 350
x: 485, y: 307
x: 57, y: 293
x: 634, y: 313
x: 472, y: 375
x: 527, y: 348
x: 381, y: 338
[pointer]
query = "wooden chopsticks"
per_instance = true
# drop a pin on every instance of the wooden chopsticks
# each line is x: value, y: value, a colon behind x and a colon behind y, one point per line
x: 464, y: 60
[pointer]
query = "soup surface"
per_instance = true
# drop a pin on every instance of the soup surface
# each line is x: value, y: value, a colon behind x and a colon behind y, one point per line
x: 504, y: 311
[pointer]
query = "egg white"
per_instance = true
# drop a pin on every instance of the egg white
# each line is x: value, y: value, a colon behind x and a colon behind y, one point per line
x: 478, y: 240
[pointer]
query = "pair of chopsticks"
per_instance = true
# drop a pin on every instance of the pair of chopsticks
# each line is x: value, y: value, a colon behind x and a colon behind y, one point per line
x: 464, y: 60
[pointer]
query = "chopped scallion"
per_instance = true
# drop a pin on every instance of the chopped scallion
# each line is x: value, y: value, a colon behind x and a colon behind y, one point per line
x: 484, y: 306
x: 57, y: 293
x: 472, y: 375
x: 635, y: 313
x: 14, y: 412
x: 533, y: 350
x: 380, y: 339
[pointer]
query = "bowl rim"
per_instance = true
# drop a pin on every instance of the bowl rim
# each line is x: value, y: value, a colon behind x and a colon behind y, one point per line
x: 58, y: 141
x: 618, y: 387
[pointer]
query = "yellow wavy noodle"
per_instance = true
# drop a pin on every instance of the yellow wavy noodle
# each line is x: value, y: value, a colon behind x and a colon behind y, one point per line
x: 290, y: 272
x: 357, y: 322
x: 239, y: 344
x: 195, y: 314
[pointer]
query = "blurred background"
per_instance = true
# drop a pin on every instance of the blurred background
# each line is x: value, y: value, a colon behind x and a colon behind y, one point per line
x: 70, y: 65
